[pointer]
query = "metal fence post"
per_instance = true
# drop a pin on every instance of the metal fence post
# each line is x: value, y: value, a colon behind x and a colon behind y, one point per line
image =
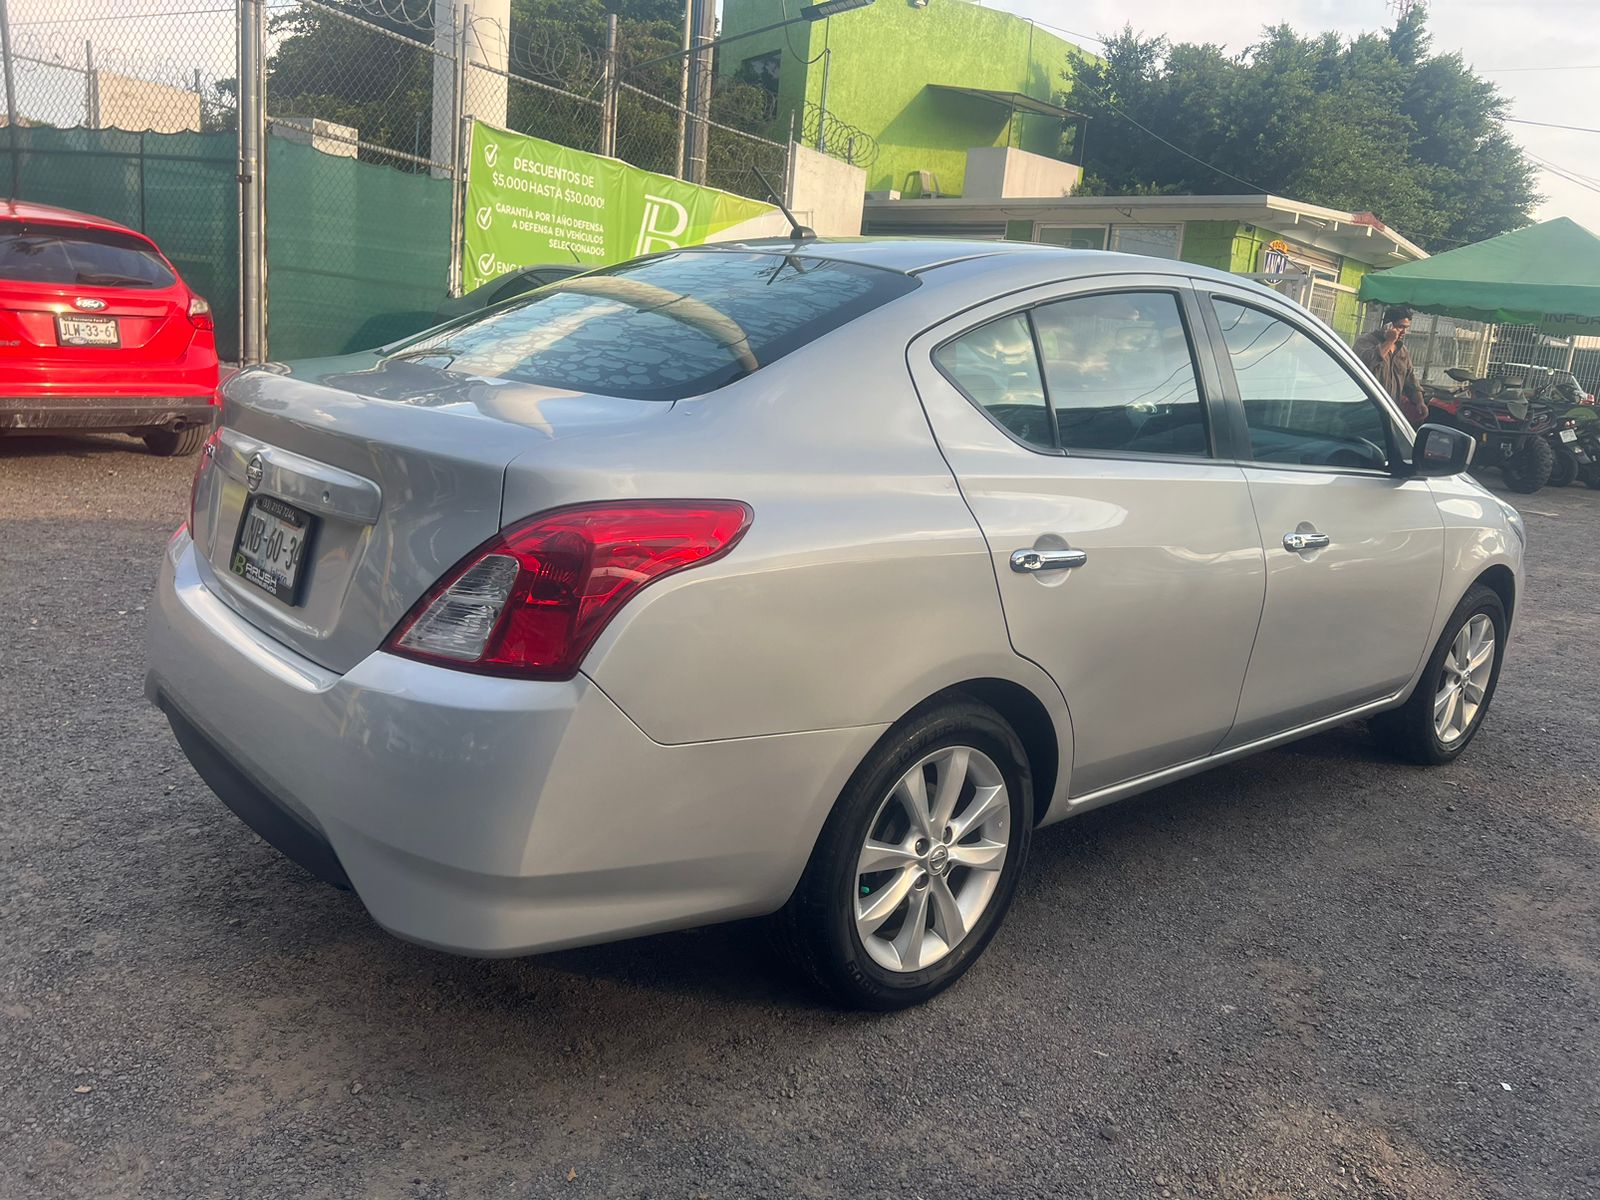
x: 683, y: 82
x: 459, y: 152
x: 822, y: 105
x: 608, y: 95
x: 698, y: 129
x: 11, y: 99
x: 252, y: 185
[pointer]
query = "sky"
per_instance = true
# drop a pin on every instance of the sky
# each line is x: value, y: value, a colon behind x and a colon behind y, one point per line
x: 1517, y: 44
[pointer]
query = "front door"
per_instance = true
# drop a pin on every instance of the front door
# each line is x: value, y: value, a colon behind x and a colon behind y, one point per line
x: 1079, y: 427
x: 1354, y: 554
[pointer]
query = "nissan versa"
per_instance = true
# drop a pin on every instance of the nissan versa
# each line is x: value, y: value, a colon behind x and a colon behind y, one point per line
x: 805, y: 579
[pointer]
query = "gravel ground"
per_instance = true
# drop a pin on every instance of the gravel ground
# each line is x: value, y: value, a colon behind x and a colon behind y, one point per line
x: 1313, y: 974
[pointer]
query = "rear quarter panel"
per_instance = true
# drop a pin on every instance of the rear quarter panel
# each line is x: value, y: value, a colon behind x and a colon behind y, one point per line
x: 862, y: 586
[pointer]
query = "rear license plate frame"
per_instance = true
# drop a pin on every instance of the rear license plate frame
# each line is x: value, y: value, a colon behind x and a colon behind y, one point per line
x: 245, y: 565
x: 66, y: 320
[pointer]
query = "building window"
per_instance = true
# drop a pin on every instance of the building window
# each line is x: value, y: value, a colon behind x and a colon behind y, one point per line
x: 1156, y: 241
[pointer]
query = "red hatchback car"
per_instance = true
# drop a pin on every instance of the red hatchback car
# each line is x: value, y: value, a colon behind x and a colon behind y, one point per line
x: 98, y: 332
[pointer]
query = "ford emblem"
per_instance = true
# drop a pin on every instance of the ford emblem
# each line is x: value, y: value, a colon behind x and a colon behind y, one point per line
x: 89, y: 303
x: 252, y: 473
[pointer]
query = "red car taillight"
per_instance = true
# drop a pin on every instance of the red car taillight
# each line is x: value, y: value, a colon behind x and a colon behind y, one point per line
x: 531, y: 601
x: 200, y: 314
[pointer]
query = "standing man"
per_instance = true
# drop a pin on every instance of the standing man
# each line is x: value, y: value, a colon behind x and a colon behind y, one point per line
x: 1384, y: 352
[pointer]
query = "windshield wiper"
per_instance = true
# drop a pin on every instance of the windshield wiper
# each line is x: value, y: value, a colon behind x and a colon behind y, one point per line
x: 113, y: 281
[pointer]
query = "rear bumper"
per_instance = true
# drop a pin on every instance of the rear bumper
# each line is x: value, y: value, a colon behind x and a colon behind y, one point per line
x: 48, y: 414
x: 481, y: 815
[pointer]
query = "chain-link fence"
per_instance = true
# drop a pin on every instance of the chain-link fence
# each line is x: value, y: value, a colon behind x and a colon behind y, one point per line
x: 131, y: 109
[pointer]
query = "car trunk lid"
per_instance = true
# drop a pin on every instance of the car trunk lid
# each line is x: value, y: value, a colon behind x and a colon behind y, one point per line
x: 398, y: 467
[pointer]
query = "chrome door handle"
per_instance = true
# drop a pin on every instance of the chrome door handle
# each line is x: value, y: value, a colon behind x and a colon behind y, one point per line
x: 1027, y: 562
x: 1304, y: 541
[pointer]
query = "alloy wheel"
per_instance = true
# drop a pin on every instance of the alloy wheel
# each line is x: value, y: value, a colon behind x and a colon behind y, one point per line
x: 932, y: 859
x: 1464, y: 679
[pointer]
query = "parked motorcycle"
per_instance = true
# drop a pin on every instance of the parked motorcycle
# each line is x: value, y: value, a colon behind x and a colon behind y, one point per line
x: 1511, y: 430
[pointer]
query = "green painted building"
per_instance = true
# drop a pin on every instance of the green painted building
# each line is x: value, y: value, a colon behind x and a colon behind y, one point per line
x: 924, y: 84
x: 1317, y: 255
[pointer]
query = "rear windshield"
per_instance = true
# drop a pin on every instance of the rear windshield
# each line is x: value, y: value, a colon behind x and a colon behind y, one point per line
x: 662, y: 328
x: 63, y: 254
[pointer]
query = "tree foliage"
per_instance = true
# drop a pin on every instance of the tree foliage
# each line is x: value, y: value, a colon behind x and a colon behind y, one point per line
x: 1377, y: 124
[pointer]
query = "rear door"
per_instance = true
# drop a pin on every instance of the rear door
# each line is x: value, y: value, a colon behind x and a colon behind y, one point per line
x: 1354, y: 554
x: 1079, y: 422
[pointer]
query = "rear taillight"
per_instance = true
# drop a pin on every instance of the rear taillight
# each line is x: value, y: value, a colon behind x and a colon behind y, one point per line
x: 531, y: 601
x: 208, y: 454
x: 200, y: 314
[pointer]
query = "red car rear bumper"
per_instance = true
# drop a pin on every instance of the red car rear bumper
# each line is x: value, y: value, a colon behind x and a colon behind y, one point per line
x: 49, y: 414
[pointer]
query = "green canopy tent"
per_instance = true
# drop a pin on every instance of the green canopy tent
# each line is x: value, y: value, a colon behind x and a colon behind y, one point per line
x: 1546, y: 275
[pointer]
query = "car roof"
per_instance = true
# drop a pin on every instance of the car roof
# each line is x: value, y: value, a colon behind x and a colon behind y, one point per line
x: 24, y: 210
x: 916, y: 255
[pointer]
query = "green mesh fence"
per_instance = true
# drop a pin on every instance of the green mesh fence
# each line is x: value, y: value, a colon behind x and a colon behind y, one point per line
x: 177, y: 188
x: 358, y: 254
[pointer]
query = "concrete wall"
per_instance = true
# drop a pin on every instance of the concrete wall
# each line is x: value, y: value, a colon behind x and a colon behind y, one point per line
x: 882, y: 59
x: 825, y: 193
x: 1210, y: 243
x: 1006, y: 173
x: 141, y: 106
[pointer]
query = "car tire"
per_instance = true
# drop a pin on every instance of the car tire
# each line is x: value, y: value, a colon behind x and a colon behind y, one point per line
x: 1528, y: 470
x: 169, y: 443
x: 1413, y: 731
x: 820, y: 930
x: 1564, y: 469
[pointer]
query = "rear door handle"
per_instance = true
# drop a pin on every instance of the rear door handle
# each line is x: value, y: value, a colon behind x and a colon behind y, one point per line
x: 1298, y: 542
x: 1030, y: 561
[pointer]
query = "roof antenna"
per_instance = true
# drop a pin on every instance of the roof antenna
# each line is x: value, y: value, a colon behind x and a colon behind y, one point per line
x: 797, y: 231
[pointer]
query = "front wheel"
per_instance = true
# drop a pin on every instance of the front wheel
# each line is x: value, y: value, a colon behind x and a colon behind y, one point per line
x: 1528, y: 470
x: 1448, y: 706
x: 917, y: 863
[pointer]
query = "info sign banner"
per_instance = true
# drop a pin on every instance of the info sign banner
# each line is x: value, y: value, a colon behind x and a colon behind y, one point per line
x: 530, y: 201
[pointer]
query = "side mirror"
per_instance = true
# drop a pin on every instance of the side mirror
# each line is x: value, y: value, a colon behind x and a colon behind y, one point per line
x: 1439, y: 450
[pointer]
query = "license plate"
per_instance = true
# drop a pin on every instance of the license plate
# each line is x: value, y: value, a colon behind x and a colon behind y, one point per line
x: 271, y: 548
x: 87, y: 331
x: 1569, y: 435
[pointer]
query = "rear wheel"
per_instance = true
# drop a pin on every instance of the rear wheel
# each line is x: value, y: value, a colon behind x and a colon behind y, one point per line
x: 1528, y: 469
x: 170, y: 443
x: 1564, y: 470
x: 918, y: 862
x: 1591, y: 476
x: 1448, y: 706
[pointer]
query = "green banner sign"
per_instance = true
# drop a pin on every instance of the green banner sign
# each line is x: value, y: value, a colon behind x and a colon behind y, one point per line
x: 531, y: 201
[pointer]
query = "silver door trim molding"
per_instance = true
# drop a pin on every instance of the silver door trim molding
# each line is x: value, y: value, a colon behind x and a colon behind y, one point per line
x: 1074, y: 805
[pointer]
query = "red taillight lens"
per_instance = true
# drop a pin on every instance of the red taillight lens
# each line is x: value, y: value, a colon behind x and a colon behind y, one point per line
x: 200, y: 314
x: 531, y: 601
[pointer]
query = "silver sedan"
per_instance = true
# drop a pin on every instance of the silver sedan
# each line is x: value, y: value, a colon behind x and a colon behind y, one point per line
x: 806, y: 579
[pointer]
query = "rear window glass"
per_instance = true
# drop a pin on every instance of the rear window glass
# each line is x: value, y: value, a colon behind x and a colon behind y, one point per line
x: 666, y: 327
x: 62, y: 254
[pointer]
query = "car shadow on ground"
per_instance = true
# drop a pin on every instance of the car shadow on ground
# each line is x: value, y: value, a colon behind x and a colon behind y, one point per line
x: 76, y: 446
x: 734, y: 966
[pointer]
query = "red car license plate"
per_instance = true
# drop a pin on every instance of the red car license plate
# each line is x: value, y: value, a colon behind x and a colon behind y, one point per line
x: 271, y: 549
x: 87, y: 331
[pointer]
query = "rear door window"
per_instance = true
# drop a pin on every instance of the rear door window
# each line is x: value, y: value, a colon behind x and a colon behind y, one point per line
x: 1121, y: 375
x: 663, y: 328
x: 65, y: 255
x: 995, y: 365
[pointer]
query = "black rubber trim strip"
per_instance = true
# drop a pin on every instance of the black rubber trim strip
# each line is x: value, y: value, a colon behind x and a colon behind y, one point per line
x: 286, y: 830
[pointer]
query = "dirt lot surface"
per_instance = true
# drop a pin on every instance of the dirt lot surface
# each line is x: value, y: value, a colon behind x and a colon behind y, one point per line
x: 1313, y: 974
